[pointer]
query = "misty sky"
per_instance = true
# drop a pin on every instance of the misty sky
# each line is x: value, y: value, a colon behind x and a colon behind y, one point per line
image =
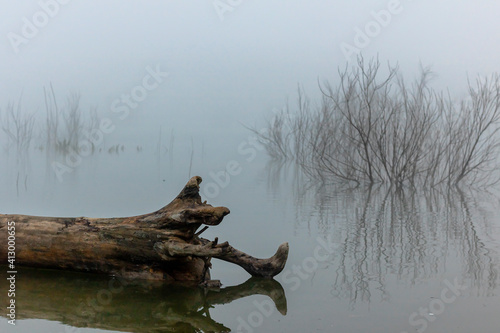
x: 230, y: 61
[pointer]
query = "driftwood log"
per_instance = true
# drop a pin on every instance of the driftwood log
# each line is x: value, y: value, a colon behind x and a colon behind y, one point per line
x: 163, y: 245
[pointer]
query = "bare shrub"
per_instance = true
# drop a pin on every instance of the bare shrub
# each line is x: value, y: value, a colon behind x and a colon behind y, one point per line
x: 375, y: 128
x: 67, y: 126
x: 18, y: 127
x: 63, y: 130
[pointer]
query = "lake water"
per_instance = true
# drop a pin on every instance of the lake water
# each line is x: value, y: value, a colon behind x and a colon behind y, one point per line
x: 367, y: 259
x: 361, y: 259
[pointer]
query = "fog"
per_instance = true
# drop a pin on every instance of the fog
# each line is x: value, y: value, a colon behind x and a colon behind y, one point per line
x: 228, y: 65
x: 202, y: 72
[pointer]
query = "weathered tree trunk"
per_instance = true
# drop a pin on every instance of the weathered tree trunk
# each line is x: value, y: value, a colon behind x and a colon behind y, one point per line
x: 163, y: 245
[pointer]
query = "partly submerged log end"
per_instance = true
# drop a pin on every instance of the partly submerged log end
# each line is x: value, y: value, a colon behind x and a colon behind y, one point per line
x: 266, y: 268
x: 163, y: 245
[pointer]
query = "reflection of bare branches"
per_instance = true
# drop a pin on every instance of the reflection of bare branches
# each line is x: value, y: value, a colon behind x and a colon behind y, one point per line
x: 478, y: 264
x: 401, y: 234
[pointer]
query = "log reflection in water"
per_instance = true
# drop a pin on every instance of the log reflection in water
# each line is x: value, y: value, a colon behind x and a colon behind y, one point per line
x: 87, y: 300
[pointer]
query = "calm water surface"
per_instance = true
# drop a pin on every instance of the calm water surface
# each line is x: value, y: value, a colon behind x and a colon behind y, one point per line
x: 368, y: 259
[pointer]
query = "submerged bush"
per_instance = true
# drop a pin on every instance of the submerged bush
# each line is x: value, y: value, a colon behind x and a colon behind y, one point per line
x: 62, y: 131
x: 67, y: 126
x: 377, y: 128
x: 17, y: 126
